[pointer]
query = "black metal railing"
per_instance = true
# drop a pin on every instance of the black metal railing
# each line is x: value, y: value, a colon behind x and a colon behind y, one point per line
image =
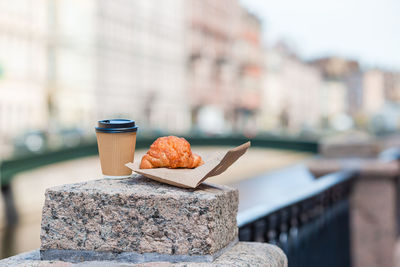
x: 309, y: 220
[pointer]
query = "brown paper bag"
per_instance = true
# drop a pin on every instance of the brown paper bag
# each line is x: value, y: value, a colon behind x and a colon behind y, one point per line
x: 191, y: 178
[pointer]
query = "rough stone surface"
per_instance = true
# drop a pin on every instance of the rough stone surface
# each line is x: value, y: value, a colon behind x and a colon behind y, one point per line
x: 242, y: 254
x: 139, y: 215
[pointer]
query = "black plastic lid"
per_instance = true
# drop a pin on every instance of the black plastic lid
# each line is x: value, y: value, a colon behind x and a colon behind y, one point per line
x: 116, y: 126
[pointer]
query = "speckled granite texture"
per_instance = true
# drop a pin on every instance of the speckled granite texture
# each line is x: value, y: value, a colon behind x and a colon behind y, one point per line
x: 139, y: 215
x: 242, y: 254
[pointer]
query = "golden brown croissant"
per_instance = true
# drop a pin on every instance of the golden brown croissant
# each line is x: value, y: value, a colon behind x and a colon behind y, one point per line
x: 170, y: 152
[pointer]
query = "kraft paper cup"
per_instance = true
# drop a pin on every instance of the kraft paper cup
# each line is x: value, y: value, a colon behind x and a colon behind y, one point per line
x: 116, y: 140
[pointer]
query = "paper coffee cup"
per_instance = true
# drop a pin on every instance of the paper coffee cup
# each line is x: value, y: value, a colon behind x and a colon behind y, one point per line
x: 116, y: 141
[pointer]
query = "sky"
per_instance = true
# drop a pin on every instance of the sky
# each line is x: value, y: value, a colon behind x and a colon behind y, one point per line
x: 365, y: 30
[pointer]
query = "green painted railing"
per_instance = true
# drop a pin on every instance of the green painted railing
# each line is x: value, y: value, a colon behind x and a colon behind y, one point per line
x: 9, y: 168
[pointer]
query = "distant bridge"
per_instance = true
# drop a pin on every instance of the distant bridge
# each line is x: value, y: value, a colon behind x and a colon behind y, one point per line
x: 10, y: 167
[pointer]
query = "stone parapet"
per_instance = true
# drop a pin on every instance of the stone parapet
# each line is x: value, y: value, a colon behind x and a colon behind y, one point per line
x: 360, y: 146
x: 135, y: 218
x: 372, y: 168
x: 242, y: 254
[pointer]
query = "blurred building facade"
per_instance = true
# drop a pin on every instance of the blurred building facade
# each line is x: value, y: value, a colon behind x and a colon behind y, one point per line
x: 374, y: 91
x: 70, y: 63
x: 145, y: 43
x: 291, y: 92
x: 23, y: 67
x: 128, y: 62
x: 71, y: 56
x: 170, y: 65
x: 210, y: 34
x: 342, y: 94
x: 249, y: 54
x: 224, y: 62
x: 343, y: 80
x: 392, y: 86
x: 76, y: 62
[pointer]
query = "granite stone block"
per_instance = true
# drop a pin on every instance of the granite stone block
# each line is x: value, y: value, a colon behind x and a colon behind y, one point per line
x: 139, y: 215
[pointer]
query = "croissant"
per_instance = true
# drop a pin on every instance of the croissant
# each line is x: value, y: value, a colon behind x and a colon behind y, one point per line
x: 170, y: 152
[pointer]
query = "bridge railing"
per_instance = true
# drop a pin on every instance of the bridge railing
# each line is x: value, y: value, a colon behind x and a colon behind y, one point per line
x: 308, y: 218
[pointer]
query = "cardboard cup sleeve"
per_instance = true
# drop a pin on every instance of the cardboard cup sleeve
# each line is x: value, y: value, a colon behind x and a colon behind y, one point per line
x: 115, y: 149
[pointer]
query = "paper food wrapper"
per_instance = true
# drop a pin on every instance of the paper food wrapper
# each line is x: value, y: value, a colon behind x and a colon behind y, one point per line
x: 191, y: 178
